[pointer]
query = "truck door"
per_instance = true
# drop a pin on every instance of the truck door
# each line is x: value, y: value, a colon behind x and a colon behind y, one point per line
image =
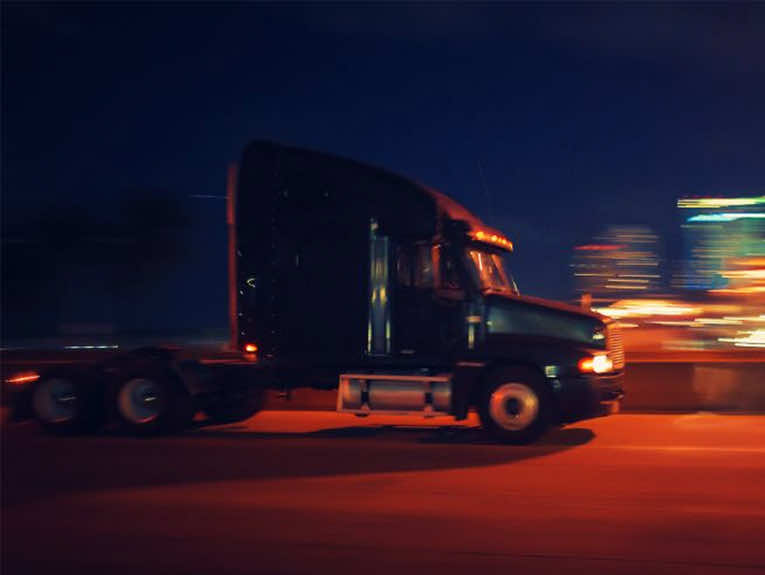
x: 427, y: 303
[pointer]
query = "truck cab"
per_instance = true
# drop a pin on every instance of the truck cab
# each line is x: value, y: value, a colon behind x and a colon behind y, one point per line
x: 378, y: 284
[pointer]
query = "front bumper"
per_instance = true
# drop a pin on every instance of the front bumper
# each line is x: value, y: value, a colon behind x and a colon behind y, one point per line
x: 585, y: 396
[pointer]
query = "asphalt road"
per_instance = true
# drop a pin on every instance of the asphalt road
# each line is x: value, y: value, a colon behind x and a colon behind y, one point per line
x: 319, y: 492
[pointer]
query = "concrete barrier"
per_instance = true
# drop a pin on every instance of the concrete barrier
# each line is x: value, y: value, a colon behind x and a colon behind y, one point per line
x: 694, y: 386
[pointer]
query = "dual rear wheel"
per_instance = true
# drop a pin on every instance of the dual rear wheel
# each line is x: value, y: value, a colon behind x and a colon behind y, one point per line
x: 152, y: 402
x: 142, y: 404
x: 63, y: 404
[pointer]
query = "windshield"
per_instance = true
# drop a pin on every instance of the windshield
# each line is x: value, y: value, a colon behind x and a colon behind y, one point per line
x: 489, y: 272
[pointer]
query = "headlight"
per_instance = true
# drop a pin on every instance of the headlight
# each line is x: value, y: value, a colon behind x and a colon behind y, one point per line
x: 599, y: 363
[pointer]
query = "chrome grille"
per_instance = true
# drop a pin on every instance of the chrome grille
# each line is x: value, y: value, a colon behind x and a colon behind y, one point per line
x: 614, y: 345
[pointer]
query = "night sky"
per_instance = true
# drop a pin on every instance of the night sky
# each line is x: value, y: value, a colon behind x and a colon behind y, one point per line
x: 575, y: 116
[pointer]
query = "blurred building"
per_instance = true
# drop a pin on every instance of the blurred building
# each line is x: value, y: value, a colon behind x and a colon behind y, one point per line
x: 622, y: 262
x: 723, y: 244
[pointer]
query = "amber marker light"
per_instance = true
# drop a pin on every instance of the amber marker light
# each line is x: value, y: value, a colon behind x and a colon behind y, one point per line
x: 250, y: 348
x: 585, y: 364
x: 495, y: 239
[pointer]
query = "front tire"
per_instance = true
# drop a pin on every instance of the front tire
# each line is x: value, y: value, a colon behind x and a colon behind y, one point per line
x: 514, y: 406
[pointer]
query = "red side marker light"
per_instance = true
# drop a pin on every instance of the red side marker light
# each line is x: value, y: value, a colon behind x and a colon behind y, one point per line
x: 21, y: 378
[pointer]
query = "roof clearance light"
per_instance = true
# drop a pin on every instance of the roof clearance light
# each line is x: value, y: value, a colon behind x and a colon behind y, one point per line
x: 495, y: 239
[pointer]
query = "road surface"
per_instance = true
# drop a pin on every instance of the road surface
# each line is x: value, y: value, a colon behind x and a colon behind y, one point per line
x: 319, y: 492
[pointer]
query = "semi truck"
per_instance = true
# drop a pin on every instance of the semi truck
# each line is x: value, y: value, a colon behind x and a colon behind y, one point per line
x: 349, y: 277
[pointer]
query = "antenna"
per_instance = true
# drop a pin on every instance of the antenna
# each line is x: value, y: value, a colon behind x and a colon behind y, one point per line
x: 489, y: 201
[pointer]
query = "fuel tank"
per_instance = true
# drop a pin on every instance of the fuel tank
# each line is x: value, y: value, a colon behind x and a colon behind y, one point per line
x: 394, y: 393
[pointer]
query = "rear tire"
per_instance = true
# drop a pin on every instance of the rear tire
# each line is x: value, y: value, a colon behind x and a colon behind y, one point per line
x: 152, y: 403
x: 64, y: 403
x: 514, y: 406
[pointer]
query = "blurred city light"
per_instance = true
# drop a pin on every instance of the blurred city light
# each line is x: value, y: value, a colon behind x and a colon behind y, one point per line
x: 623, y: 260
x: 715, y: 244
x: 646, y: 308
x: 754, y: 338
x: 715, y: 299
x: 716, y: 203
x: 726, y: 217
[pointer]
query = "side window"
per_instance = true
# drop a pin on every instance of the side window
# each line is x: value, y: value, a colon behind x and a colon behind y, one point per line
x: 423, y: 269
x: 448, y: 275
x: 415, y: 266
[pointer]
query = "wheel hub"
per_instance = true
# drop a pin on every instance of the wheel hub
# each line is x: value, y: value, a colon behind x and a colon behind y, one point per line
x: 55, y: 401
x: 514, y: 406
x: 139, y: 400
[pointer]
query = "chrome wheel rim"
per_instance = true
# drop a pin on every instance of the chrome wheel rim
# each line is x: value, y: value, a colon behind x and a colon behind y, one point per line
x: 140, y: 401
x: 513, y: 406
x: 55, y: 401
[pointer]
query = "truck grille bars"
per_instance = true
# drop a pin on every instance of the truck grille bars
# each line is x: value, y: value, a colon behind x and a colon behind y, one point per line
x: 614, y: 345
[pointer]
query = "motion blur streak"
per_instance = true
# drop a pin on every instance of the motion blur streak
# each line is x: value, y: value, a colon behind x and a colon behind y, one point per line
x: 755, y: 338
x: 719, y: 202
x: 645, y: 308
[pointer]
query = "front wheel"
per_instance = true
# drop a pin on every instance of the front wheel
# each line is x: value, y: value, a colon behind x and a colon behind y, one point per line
x: 514, y: 406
